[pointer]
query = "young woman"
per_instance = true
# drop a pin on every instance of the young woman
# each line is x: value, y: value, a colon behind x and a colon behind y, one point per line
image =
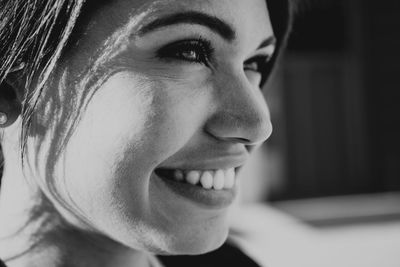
x: 125, y: 122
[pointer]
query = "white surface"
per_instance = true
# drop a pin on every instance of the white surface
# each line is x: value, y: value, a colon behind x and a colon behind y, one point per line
x: 275, y: 239
x: 343, y: 207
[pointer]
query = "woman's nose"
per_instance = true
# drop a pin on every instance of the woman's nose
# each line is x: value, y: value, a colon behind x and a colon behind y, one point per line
x: 241, y: 113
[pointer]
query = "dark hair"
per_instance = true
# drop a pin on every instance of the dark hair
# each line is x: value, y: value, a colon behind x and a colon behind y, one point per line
x: 36, y: 31
x: 281, y: 15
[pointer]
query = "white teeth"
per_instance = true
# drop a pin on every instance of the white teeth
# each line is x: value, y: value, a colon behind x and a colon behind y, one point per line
x: 219, y: 180
x: 229, y: 178
x: 193, y: 177
x: 206, y: 180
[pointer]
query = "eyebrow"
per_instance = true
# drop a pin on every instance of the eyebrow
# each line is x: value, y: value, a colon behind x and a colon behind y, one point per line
x: 192, y: 17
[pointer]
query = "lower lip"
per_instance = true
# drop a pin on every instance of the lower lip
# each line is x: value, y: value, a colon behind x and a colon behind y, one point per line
x: 207, y: 198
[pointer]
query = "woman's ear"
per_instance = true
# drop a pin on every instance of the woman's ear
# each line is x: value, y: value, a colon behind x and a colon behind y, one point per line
x: 11, y: 95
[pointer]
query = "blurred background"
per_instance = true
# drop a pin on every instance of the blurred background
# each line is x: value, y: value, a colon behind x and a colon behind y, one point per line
x: 333, y: 160
x: 338, y: 118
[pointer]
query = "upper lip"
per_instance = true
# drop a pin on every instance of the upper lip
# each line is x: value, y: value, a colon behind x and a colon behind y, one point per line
x: 210, y: 163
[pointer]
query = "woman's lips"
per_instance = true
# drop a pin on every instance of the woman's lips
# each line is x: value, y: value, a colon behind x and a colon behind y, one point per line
x: 209, y: 188
x: 208, y: 181
x: 207, y: 161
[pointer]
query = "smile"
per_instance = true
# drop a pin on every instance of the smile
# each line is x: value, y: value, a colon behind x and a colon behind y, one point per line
x: 208, y: 179
x: 213, y: 189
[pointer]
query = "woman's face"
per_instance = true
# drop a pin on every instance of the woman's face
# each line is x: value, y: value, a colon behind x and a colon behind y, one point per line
x: 152, y: 160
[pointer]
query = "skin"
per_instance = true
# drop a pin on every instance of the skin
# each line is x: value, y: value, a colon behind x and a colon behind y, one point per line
x: 145, y: 113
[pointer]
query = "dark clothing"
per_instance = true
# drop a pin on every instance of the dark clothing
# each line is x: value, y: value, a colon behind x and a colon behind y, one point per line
x: 226, y: 255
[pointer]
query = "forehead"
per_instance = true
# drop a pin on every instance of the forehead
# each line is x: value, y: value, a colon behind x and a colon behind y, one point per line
x: 231, y: 10
x: 246, y: 16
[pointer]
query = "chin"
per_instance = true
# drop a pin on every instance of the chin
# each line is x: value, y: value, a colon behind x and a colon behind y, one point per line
x: 196, y: 243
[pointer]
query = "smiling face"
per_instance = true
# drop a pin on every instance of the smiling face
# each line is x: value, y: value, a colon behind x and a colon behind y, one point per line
x: 169, y: 109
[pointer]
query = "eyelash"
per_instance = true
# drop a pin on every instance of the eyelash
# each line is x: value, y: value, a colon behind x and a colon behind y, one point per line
x: 201, y: 51
x: 190, y: 50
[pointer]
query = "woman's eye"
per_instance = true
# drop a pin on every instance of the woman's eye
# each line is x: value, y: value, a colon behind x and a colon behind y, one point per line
x: 257, y: 64
x: 253, y: 66
x: 258, y: 67
x: 195, y: 51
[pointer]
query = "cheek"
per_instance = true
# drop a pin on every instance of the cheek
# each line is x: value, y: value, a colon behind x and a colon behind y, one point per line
x: 129, y: 127
x: 108, y: 139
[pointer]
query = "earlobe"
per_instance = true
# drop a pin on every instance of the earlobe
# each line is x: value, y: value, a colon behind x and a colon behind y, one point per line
x: 10, y: 104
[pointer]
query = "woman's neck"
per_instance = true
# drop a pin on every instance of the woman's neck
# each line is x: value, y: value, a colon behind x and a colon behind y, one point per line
x: 33, y: 233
